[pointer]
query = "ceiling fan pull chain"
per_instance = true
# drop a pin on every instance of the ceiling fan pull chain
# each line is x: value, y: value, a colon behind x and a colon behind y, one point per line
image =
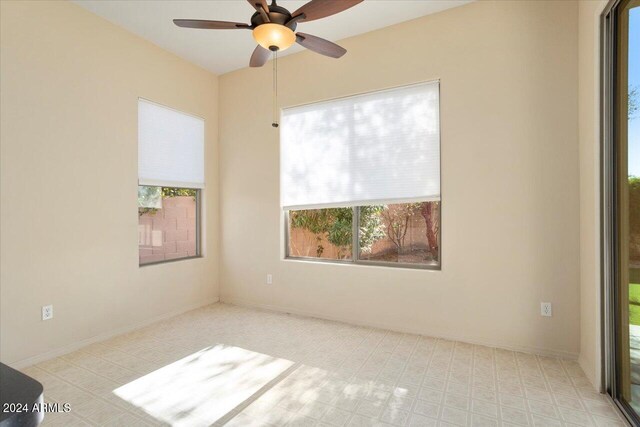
x: 275, y: 123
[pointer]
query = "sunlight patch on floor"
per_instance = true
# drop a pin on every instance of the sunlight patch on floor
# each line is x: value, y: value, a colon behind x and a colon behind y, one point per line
x: 203, y: 387
x: 310, y: 393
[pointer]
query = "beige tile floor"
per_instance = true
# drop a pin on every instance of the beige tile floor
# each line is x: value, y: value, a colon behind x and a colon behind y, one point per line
x: 243, y: 367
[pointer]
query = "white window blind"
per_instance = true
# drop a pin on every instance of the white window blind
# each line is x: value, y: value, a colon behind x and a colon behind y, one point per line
x: 377, y: 148
x: 170, y: 147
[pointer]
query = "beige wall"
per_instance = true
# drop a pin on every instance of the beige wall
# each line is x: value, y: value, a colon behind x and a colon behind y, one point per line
x: 70, y: 84
x: 510, y: 179
x: 588, y: 96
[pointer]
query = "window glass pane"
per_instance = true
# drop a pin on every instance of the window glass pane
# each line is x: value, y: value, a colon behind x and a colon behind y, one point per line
x: 167, y: 223
x: 407, y: 233
x: 630, y: 209
x: 321, y: 233
x: 149, y: 197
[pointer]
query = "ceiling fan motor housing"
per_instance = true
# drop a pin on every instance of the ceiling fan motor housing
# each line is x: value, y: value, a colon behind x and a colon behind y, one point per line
x: 277, y: 15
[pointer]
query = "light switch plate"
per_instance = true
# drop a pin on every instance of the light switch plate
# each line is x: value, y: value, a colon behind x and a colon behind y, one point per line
x: 47, y: 312
x: 545, y: 309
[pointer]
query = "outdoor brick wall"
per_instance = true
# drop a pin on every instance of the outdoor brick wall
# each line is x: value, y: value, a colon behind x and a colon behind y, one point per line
x: 170, y: 232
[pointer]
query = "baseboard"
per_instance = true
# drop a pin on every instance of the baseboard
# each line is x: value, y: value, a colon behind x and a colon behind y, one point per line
x: 359, y: 322
x: 20, y: 364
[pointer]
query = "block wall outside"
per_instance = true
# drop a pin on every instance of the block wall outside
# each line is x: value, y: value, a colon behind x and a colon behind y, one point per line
x: 170, y: 232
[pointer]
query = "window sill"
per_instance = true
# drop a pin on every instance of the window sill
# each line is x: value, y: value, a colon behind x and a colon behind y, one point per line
x: 361, y: 263
x: 169, y: 261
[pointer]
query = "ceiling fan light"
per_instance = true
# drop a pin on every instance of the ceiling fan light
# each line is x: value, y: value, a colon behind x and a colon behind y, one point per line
x: 274, y: 35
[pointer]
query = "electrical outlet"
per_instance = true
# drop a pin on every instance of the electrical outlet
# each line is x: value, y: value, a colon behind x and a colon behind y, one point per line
x: 47, y: 312
x: 269, y: 279
x: 545, y: 309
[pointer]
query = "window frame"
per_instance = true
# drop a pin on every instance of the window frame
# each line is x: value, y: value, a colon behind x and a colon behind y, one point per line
x: 355, y: 254
x: 613, y: 72
x: 198, y: 231
x: 355, y: 247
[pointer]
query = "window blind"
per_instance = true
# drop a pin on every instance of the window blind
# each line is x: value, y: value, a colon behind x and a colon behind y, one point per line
x: 170, y: 147
x: 377, y: 148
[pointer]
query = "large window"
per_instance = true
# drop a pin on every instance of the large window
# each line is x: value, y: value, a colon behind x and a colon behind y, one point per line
x: 360, y: 178
x: 401, y: 234
x: 170, y: 181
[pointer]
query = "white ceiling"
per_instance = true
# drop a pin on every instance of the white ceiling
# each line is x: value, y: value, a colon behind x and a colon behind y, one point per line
x: 221, y: 51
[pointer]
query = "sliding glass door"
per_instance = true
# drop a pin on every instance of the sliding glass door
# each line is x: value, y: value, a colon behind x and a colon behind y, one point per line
x: 630, y: 186
x: 621, y: 185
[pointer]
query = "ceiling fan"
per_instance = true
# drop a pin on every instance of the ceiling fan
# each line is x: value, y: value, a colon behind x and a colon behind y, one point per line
x: 274, y: 27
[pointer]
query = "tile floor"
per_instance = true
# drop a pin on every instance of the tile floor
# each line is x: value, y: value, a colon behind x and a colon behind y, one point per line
x: 243, y: 367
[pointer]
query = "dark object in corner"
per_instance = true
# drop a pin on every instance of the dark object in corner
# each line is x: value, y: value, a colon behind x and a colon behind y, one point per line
x: 19, y: 394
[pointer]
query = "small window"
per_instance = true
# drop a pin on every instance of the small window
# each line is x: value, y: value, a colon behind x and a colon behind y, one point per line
x: 168, y: 226
x: 170, y: 182
x: 360, y: 178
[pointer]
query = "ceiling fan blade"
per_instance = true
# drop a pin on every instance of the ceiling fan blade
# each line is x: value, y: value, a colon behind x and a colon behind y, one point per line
x: 259, y: 57
x: 321, y: 46
x: 259, y: 3
x: 317, y: 9
x: 262, y: 7
x: 210, y: 25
